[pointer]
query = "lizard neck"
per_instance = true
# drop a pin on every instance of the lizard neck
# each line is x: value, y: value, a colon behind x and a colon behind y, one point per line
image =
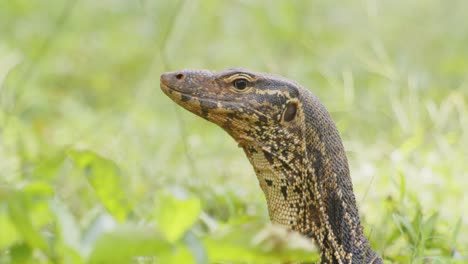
x: 325, y: 211
x: 308, y: 186
x: 333, y: 211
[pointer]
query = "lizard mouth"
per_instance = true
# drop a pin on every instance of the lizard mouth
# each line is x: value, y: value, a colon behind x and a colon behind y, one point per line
x: 176, y: 94
x: 168, y: 89
x: 171, y: 91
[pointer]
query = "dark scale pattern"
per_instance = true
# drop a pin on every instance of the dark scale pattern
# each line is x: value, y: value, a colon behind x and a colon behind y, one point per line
x: 293, y: 144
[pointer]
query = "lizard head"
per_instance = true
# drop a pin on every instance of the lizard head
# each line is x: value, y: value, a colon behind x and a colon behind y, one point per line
x: 265, y: 115
x: 248, y: 105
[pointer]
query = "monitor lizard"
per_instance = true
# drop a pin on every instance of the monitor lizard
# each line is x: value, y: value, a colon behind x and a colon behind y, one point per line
x: 294, y: 147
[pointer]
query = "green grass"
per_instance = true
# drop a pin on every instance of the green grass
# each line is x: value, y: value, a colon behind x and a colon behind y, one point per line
x: 97, y: 165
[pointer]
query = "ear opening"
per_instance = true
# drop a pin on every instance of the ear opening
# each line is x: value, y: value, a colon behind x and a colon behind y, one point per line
x: 290, y: 111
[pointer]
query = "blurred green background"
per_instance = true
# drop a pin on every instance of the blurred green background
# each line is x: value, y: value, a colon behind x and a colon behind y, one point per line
x: 97, y: 165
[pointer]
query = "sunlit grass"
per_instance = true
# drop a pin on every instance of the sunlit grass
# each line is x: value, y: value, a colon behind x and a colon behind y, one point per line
x: 392, y: 73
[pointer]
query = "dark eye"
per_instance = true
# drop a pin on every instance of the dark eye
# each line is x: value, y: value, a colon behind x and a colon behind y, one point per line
x: 240, y: 84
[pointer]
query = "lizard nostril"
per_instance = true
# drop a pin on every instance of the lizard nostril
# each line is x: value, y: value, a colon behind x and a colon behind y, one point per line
x: 180, y: 76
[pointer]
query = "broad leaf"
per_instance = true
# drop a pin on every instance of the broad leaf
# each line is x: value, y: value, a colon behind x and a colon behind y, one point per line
x: 105, y: 177
x: 174, y: 217
x: 128, y: 244
x: 257, y: 244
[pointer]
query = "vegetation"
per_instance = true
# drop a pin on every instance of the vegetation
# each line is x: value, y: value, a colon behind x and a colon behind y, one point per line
x: 98, y: 166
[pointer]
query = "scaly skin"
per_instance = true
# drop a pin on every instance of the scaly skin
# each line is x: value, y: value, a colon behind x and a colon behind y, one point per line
x: 293, y: 144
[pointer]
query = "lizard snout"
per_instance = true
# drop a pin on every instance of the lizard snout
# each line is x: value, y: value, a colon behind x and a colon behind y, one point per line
x: 172, y: 78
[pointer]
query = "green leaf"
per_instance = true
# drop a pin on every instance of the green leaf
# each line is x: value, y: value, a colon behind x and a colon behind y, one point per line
x: 456, y: 231
x: 25, y: 212
x: 179, y: 254
x: 48, y: 166
x: 38, y: 190
x: 69, y: 255
x: 405, y: 227
x: 402, y: 185
x: 125, y: 244
x: 9, y: 235
x: 428, y: 228
x: 21, y: 253
x: 106, y: 179
x: 260, y: 244
x: 174, y: 217
x: 20, y: 215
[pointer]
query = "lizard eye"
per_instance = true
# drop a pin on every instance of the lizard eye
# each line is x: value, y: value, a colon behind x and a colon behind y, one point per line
x: 240, y: 84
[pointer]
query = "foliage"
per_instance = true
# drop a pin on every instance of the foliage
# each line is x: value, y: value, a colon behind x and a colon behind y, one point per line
x: 98, y: 166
